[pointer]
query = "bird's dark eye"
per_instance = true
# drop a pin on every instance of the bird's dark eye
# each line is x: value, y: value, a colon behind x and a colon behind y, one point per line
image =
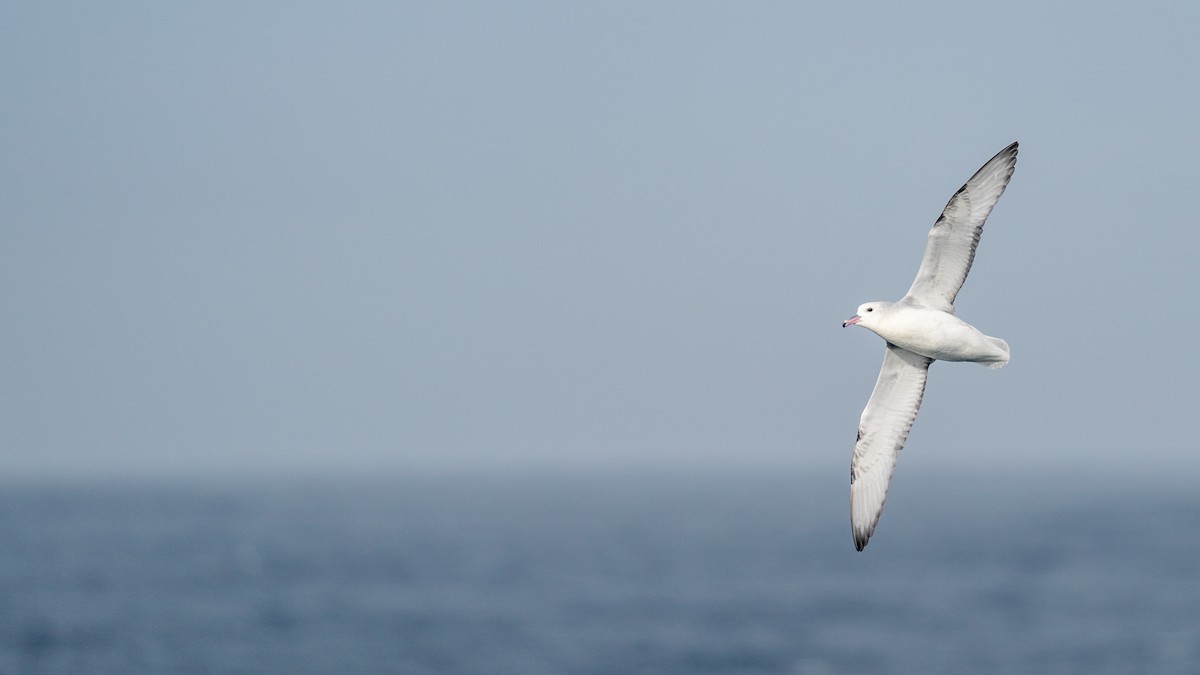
x: 870, y: 309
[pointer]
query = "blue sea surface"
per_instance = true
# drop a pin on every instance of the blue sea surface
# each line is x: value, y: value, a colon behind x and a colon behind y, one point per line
x: 612, y: 572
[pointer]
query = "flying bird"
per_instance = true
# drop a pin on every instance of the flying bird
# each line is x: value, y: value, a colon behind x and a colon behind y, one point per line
x: 920, y: 328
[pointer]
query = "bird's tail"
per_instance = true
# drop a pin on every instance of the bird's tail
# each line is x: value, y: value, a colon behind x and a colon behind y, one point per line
x: 1001, y: 353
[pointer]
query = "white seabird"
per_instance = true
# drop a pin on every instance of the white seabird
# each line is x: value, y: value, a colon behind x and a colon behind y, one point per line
x: 920, y: 328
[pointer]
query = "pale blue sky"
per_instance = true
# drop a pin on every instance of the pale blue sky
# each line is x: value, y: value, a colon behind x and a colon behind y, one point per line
x: 301, y: 237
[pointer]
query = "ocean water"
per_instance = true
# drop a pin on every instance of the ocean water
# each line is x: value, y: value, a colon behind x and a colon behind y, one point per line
x: 605, y: 573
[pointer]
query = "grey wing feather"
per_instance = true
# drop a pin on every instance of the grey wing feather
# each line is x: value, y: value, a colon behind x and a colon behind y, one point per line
x: 882, y: 430
x: 950, y: 249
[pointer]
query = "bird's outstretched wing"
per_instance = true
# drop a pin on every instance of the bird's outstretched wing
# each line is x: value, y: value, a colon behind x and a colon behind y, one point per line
x: 950, y: 249
x: 882, y: 431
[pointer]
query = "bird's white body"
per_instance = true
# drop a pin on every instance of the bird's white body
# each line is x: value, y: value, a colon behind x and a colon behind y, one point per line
x: 920, y: 329
x: 932, y: 332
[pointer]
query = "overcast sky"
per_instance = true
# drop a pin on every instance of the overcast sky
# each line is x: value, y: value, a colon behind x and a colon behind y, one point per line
x: 239, y: 238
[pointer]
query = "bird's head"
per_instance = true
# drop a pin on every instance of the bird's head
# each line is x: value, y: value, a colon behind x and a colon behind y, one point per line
x: 866, y: 315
